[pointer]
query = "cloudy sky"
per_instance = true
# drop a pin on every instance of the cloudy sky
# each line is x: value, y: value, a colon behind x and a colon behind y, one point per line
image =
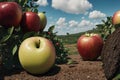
x: 73, y: 16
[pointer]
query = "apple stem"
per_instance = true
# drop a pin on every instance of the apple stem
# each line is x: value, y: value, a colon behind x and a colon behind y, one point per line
x: 44, y: 12
x: 38, y: 44
x: 87, y: 34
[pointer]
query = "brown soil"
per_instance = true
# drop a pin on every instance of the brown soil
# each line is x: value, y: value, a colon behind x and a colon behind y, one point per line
x: 78, y: 70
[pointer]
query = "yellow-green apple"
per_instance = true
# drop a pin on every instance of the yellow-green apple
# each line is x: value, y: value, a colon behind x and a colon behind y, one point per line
x: 31, y: 22
x: 43, y: 19
x: 116, y: 18
x: 10, y: 14
x: 37, y: 55
x: 89, y: 46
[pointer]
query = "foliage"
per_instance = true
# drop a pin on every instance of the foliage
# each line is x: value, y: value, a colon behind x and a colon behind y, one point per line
x: 106, y: 28
x: 27, y: 5
x: 11, y: 38
x: 117, y: 77
x: 61, y: 51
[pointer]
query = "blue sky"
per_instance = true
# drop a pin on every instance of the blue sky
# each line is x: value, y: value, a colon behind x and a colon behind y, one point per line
x: 73, y: 16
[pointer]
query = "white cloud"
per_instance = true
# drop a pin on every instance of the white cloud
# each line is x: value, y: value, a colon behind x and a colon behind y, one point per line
x: 72, y: 26
x: 83, y: 18
x: 73, y: 23
x: 61, y: 22
x: 83, y: 23
x: 72, y: 6
x: 86, y: 23
x: 42, y: 2
x: 96, y: 14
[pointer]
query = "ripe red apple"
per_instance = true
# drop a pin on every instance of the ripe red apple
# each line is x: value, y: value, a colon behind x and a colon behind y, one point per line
x: 10, y: 14
x: 43, y: 19
x: 31, y: 22
x: 116, y: 18
x: 89, y: 46
x: 37, y: 55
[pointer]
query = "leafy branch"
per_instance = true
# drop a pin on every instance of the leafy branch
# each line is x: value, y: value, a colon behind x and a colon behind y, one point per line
x: 106, y: 28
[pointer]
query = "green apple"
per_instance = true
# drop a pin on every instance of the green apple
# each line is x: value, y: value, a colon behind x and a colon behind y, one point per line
x: 37, y: 55
x: 43, y: 19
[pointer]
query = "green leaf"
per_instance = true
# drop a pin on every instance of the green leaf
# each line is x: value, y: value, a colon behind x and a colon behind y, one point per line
x: 36, y: 10
x: 51, y: 28
x: 117, y: 77
x: 108, y: 18
x: 28, y: 9
x: 8, y: 35
x: 100, y: 25
x: 28, y: 34
x: 23, y: 2
x: 5, y: 38
x: 112, y: 29
x: 36, y: 6
x: 14, y: 50
x: 103, y: 21
x: 19, y: 1
x: 10, y: 30
x: 70, y: 62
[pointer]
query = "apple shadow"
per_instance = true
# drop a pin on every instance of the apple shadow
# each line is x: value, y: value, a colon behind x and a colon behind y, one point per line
x: 4, y: 72
x: 53, y: 71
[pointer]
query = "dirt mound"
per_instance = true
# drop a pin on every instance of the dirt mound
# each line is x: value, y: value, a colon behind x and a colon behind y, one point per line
x: 79, y: 70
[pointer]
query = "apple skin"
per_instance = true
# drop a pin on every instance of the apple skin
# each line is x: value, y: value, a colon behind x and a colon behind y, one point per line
x: 37, y: 55
x: 43, y: 19
x: 89, y: 46
x: 10, y: 14
x: 116, y: 18
x: 31, y: 22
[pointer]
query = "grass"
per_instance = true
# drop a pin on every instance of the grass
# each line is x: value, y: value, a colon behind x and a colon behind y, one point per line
x: 72, y: 48
x: 70, y: 39
x: 70, y: 42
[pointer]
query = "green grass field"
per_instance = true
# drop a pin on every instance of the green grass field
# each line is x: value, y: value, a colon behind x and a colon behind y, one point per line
x: 70, y: 39
x: 70, y: 42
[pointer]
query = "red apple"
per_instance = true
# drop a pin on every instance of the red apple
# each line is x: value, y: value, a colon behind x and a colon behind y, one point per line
x: 10, y: 14
x: 89, y: 46
x: 30, y: 22
x: 116, y: 18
